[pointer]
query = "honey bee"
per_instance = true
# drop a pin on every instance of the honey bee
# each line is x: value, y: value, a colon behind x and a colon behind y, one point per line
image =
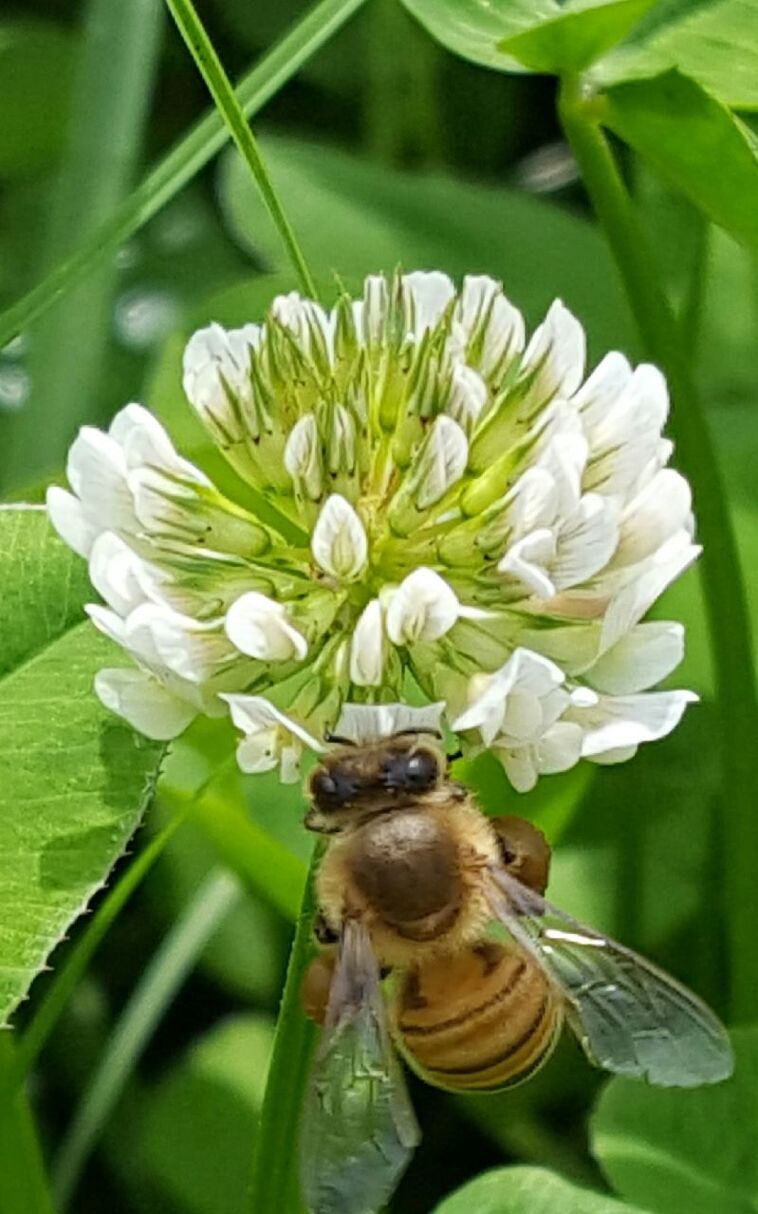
x: 440, y: 947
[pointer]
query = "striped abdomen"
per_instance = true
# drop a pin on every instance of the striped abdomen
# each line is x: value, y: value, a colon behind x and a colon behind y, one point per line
x: 483, y: 1018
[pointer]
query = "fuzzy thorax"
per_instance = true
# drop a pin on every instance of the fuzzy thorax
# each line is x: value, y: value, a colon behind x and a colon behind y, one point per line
x: 414, y: 875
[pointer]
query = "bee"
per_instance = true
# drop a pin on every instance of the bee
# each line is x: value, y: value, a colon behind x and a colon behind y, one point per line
x: 440, y: 948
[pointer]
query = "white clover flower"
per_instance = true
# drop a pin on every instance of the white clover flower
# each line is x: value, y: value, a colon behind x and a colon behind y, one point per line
x: 447, y: 498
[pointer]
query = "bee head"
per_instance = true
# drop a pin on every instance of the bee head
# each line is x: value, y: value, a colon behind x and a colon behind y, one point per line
x: 376, y: 777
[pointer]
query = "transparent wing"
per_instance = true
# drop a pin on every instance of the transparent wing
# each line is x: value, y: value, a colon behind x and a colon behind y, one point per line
x: 629, y: 1016
x: 359, y: 1130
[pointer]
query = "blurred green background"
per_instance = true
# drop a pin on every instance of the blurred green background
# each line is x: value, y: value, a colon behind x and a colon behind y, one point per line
x: 386, y: 150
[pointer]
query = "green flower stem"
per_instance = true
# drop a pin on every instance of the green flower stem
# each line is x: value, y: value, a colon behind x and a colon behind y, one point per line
x: 57, y: 996
x: 182, y: 163
x: 23, y: 1187
x: 275, y: 1174
x: 723, y: 586
x: 227, y: 103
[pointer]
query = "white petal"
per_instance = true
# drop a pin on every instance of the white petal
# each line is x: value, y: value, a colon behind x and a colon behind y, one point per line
x: 647, y: 654
x: 441, y: 461
x: 626, y: 438
x: 115, y: 572
x: 143, y: 440
x: 371, y: 315
x: 532, y: 502
x: 426, y: 295
x: 423, y: 608
x: 144, y: 702
x: 586, y: 544
x: 339, y: 543
x: 636, y: 598
x: 654, y: 514
x: 96, y: 469
x: 620, y: 755
x: 66, y: 515
x: 252, y: 714
x: 466, y: 397
x: 368, y: 722
x: 520, y: 767
x: 367, y: 647
x: 564, y: 456
x: 530, y: 672
x: 302, y: 457
x: 556, y: 354
x: 313, y: 328
x: 523, y: 716
x: 560, y: 748
x: 195, y: 652
x: 620, y: 721
x: 258, y: 626
x: 602, y: 388
x: 215, y: 363
x: 493, y: 326
x: 108, y: 622
x: 258, y: 752
x: 527, y: 561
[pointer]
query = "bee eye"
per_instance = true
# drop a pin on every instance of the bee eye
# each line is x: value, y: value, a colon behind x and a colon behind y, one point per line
x: 421, y: 769
x: 325, y: 790
x: 412, y: 772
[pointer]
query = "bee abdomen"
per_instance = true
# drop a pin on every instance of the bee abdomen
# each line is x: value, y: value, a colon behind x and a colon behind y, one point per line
x: 484, y: 1018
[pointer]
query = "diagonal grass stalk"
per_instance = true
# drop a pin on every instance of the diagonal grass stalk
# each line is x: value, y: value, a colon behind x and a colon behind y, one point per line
x: 171, y: 964
x: 23, y: 1186
x: 209, y: 65
x: 105, y: 129
x: 183, y: 162
x: 723, y: 584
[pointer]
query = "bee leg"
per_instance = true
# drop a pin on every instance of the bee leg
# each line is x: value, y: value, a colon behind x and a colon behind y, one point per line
x: 324, y: 933
x: 524, y: 850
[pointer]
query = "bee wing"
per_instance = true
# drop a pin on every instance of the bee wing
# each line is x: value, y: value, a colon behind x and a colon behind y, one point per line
x: 359, y: 1130
x: 630, y: 1017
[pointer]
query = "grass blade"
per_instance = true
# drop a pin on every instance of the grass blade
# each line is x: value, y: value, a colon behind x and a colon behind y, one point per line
x: 166, y: 973
x: 183, y: 162
x: 209, y: 65
x: 105, y: 129
x: 23, y: 1188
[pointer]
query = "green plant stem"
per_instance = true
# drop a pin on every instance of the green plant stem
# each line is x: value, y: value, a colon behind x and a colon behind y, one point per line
x: 183, y: 162
x: 723, y: 586
x: 227, y: 103
x: 23, y: 1187
x: 56, y: 998
x: 166, y: 973
x: 274, y: 1182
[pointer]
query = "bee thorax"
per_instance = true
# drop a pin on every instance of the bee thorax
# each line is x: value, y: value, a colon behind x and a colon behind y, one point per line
x: 406, y: 867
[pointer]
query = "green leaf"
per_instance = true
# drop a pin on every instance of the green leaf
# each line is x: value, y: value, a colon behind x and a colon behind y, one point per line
x: 200, y: 1122
x: 529, y: 1191
x: 473, y: 28
x: 74, y: 781
x: 36, y: 68
x: 715, y: 43
x: 356, y: 218
x: 675, y: 1150
x: 577, y: 37
x: 695, y: 143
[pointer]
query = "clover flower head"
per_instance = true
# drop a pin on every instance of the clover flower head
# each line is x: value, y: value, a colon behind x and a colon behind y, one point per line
x: 445, y: 500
